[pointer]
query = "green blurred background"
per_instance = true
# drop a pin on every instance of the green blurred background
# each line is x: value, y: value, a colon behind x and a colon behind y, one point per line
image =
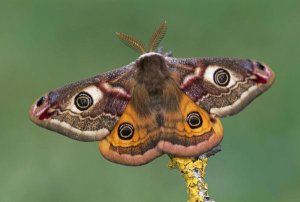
x: 45, y: 44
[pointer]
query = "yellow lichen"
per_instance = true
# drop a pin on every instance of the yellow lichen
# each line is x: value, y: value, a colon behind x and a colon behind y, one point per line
x: 193, y: 171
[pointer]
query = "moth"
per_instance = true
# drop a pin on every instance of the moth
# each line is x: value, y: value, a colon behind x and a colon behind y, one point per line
x: 156, y: 105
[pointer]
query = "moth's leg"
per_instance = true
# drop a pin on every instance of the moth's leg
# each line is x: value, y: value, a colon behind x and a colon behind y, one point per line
x: 160, y: 50
x: 212, y: 152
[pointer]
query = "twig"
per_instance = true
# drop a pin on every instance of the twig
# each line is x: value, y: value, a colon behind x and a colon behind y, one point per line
x: 193, y: 171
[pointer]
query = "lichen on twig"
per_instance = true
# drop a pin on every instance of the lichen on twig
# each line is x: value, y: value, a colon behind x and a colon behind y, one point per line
x: 193, y: 171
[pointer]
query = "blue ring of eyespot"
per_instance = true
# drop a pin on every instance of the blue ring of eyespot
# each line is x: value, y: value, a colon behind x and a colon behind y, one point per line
x: 83, y: 101
x: 194, y: 120
x: 221, y: 77
x: 125, y: 131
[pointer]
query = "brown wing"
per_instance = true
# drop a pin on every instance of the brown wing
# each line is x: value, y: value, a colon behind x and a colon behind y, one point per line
x: 222, y: 86
x: 86, y: 110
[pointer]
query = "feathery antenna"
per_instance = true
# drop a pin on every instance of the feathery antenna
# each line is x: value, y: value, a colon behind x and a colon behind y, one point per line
x: 138, y: 46
x: 131, y: 42
x: 157, y: 36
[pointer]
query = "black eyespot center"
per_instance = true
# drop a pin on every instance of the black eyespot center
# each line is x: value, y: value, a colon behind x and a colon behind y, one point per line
x: 194, y: 120
x: 41, y: 101
x: 125, y: 131
x: 221, y: 77
x: 83, y: 101
x: 261, y: 66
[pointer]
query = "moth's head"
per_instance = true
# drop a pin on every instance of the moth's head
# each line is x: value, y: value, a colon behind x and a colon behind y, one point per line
x: 233, y: 83
x: 71, y: 110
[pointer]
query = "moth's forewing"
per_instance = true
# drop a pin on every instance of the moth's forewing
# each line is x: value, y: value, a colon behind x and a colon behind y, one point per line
x: 222, y: 86
x: 86, y: 110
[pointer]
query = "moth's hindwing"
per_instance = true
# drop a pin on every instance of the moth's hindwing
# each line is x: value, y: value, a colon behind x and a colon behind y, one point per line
x: 137, y: 140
